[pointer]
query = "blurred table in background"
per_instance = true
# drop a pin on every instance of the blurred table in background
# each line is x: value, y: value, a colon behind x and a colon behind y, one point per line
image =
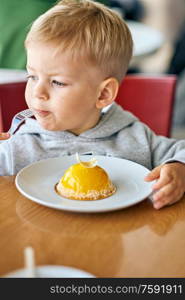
x: 12, y: 75
x: 147, y: 40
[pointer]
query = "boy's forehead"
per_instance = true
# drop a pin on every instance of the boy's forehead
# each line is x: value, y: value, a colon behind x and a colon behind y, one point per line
x: 47, y: 51
x: 48, y: 56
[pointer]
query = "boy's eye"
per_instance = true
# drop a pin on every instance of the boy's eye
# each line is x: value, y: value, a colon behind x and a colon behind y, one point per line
x: 58, y: 83
x: 31, y: 77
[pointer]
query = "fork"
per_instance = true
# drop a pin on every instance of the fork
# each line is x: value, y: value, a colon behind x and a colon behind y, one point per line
x: 18, y: 119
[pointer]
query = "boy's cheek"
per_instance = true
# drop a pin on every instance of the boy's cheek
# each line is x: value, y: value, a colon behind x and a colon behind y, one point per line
x: 28, y: 97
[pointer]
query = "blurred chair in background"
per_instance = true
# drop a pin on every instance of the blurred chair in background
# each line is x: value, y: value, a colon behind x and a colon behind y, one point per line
x: 149, y: 98
x: 169, y: 17
x: 11, y: 102
x: 177, y: 62
x: 178, y: 120
x: 177, y: 67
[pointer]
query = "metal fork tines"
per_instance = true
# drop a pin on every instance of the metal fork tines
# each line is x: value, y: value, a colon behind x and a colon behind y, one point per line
x: 19, y: 119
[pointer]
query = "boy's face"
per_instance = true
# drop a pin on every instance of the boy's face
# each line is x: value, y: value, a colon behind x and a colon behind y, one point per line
x: 61, y: 92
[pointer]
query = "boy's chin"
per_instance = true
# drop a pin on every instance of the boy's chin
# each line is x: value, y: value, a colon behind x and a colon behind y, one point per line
x: 47, y: 126
x: 50, y: 127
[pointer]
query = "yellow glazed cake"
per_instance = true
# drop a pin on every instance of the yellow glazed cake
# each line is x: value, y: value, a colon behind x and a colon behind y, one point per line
x: 84, y: 182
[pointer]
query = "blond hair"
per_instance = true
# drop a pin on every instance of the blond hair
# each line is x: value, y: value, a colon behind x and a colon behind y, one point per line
x: 91, y: 30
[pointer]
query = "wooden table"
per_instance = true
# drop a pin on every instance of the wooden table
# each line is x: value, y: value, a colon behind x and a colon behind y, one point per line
x: 135, y: 242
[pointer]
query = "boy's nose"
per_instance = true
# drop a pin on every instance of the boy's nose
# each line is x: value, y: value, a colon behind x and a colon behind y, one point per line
x: 40, y: 92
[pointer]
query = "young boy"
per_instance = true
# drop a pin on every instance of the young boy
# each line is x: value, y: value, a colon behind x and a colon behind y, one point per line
x: 78, y: 53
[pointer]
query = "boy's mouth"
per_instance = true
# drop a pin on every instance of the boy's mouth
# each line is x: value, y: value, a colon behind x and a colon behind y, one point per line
x: 41, y: 113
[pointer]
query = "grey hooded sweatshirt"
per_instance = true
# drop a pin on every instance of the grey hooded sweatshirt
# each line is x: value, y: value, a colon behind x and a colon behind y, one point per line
x: 118, y: 133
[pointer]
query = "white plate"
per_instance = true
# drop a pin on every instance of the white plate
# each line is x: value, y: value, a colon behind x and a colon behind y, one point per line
x: 51, y: 272
x: 37, y: 182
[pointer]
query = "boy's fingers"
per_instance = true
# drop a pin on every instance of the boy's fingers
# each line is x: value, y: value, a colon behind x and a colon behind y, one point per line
x: 154, y: 174
x: 4, y: 136
x: 168, y: 200
x: 166, y: 191
x: 162, y: 181
x: 167, y: 196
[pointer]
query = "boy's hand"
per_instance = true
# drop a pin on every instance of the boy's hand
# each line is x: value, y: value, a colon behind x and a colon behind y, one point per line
x: 4, y: 136
x: 170, y: 183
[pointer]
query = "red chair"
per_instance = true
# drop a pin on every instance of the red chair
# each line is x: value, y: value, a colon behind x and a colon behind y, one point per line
x: 150, y: 98
x: 11, y: 102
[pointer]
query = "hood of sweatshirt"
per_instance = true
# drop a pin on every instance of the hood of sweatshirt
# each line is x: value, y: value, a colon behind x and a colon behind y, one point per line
x: 112, y: 121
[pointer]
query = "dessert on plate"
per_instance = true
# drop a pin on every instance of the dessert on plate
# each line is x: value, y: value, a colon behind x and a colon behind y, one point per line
x: 85, y: 181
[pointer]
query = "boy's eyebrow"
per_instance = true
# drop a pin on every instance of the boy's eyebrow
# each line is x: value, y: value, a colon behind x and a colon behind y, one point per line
x: 52, y: 74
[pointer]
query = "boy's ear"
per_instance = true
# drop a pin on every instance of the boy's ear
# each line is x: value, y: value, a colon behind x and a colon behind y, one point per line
x: 108, y: 92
